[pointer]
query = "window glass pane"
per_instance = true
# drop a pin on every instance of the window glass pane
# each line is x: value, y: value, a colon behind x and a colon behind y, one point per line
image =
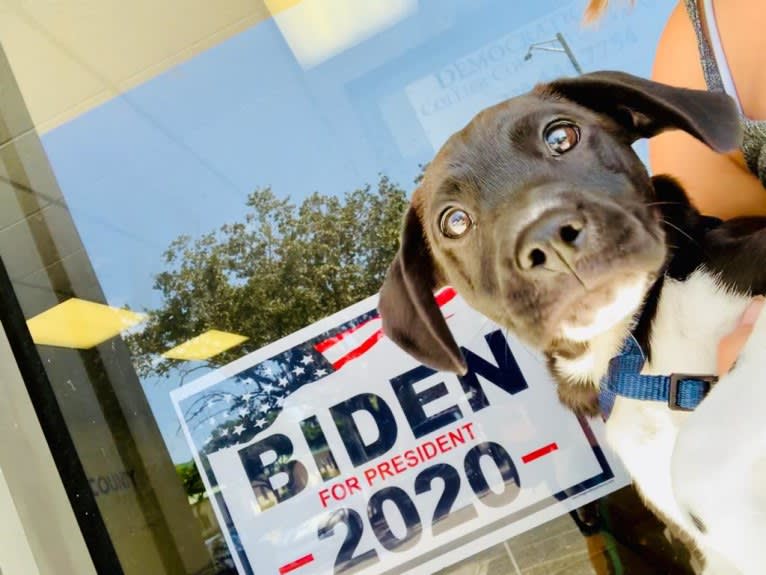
x: 185, y: 183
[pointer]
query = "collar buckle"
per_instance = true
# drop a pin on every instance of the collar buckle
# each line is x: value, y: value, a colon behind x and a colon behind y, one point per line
x: 677, y: 378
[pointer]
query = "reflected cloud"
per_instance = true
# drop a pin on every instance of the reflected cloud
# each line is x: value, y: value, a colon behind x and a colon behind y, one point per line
x: 317, y: 30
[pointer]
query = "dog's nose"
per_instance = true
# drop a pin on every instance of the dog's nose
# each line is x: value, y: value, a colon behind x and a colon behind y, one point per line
x: 552, y: 242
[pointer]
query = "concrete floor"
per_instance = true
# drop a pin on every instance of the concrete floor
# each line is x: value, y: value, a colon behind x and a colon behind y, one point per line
x: 628, y: 540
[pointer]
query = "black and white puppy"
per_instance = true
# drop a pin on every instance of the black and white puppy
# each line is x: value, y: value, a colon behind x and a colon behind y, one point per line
x: 544, y: 219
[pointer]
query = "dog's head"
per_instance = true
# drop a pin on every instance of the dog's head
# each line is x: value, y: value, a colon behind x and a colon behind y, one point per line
x: 541, y: 216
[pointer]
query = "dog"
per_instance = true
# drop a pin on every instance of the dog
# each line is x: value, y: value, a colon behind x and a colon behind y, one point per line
x: 544, y: 219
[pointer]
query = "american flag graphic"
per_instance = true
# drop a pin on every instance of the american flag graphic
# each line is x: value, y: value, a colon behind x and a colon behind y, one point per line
x: 238, y: 408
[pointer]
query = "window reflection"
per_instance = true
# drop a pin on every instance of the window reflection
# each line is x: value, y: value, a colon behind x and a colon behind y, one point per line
x: 80, y: 324
x: 317, y: 30
x: 186, y: 184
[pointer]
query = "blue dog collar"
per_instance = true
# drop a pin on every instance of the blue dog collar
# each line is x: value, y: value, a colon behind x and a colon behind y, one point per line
x: 681, y: 391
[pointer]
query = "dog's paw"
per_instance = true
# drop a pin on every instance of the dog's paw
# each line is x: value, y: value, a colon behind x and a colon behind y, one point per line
x: 580, y: 398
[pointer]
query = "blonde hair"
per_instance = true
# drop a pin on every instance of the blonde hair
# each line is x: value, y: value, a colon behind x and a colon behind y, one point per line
x: 596, y: 9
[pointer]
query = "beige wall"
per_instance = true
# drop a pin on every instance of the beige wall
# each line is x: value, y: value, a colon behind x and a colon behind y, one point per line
x: 101, y: 399
x: 15, y: 553
x: 71, y: 55
x: 38, y: 530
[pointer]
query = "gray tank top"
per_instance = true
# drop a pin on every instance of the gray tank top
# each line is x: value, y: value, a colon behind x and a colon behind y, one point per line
x: 718, y: 78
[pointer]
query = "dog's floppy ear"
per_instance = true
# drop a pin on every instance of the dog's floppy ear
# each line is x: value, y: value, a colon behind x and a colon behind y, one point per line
x: 645, y: 108
x: 411, y: 317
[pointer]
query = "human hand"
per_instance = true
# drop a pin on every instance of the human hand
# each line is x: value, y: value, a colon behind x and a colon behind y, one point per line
x: 732, y: 343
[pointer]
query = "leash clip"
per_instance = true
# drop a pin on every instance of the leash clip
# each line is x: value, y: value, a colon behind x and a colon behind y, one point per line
x: 677, y: 378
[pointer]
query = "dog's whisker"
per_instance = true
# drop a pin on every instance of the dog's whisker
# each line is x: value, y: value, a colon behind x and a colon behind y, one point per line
x: 574, y: 273
x: 650, y: 204
x: 570, y: 268
x: 679, y: 230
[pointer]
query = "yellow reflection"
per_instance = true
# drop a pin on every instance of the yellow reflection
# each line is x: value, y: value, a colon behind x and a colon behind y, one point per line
x: 205, y: 345
x: 277, y: 6
x: 80, y: 324
x: 316, y: 30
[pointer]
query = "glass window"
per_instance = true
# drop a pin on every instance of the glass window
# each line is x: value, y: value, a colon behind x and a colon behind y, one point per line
x: 185, y: 184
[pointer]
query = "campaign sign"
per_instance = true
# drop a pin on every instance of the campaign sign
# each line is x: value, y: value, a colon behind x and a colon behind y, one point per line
x: 333, y: 451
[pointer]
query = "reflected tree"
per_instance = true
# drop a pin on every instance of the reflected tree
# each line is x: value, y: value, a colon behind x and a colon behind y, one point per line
x: 191, y: 480
x: 280, y: 268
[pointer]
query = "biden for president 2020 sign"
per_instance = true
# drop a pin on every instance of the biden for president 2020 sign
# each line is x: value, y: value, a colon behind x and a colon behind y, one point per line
x: 332, y: 451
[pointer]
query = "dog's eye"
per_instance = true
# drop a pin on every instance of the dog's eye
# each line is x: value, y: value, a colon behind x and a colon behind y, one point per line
x: 561, y: 137
x: 455, y: 223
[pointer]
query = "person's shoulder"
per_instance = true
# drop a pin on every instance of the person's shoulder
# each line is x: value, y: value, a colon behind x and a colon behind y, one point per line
x: 740, y: 23
x: 677, y: 60
x: 742, y: 27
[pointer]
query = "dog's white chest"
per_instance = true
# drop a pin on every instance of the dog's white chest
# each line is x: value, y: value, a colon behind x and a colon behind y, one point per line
x: 643, y: 436
x: 691, y: 318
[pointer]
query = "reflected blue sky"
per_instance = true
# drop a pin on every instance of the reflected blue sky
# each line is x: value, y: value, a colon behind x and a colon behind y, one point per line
x: 178, y: 154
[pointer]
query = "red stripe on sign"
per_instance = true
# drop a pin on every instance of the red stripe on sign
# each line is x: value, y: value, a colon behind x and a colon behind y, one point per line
x: 538, y: 453
x: 445, y: 296
x: 357, y: 351
x: 295, y: 564
x: 328, y: 343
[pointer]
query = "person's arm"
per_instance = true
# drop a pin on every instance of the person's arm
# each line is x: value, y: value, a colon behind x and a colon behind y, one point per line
x: 718, y: 184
